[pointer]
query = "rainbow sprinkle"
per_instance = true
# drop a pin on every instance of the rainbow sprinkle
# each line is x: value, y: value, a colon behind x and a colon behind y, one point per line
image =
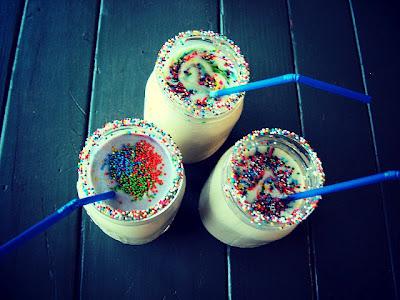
x: 143, y: 152
x: 252, y: 170
x: 136, y: 169
x: 247, y: 171
x: 216, y: 71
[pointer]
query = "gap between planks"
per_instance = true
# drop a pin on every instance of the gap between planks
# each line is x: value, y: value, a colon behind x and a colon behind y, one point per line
x: 90, y: 95
x: 377, y: 161
x: 312, y: 259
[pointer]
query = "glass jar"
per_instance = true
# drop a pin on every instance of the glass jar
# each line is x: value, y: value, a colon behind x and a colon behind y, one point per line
x: 198, y: 123
x: 229, y: 216
x: 140, y: 217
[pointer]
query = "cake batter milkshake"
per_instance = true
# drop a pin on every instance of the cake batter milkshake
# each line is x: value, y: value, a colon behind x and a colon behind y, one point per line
x: 142, y: 164
x: 240, y: 203
x: 188, y: 67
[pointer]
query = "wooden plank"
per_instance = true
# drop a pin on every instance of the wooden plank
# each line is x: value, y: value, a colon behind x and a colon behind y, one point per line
x: 185, y: 262
x: 43, y: 132
x: 352, y: 257
x: 262, y: 32
x: 378, y: 31
x: 11, y: 14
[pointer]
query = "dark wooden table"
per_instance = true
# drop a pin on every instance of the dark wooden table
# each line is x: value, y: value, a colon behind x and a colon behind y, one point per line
x: 67, y: 67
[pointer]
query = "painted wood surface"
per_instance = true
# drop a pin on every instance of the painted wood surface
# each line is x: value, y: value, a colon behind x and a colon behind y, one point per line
x: 44, y: 128
x: 79, y: 64
x: 348, y: 229
x: 378, y: 26
x: 10, y: 18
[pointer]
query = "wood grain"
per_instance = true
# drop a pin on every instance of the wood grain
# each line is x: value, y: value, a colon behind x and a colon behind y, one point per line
x: 10, y: 19
x: 378, y: 26
x: 43, y: 133
x: 352, y: 257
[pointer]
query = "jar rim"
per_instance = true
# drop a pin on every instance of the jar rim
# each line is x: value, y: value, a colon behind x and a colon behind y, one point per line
x: 217, y: 39
x: 132, y: 127
x: 237, y: 200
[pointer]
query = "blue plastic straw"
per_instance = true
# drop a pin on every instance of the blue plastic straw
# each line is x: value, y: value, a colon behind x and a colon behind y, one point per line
x: 346, y: 185
x: 288, y: 78
x: 61, y: 213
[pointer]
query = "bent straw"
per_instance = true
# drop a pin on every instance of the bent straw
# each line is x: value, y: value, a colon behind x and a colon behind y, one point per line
x: 61, y: 213
x: 345, y: 185
x: 288, y: 78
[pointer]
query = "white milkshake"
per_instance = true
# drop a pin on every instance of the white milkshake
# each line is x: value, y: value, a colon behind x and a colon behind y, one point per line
x: 177, y: 98
x: 144, y: 167
x: 240, y: 203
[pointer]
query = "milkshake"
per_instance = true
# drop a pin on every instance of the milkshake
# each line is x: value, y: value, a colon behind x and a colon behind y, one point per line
x: 241, y: 202
x: 188, y: 67
x: 142, y: 164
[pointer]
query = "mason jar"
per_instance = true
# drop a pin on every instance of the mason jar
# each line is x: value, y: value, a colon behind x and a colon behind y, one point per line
x: 177, y: 100
x: 142, y: 164
x: 228, y: 207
